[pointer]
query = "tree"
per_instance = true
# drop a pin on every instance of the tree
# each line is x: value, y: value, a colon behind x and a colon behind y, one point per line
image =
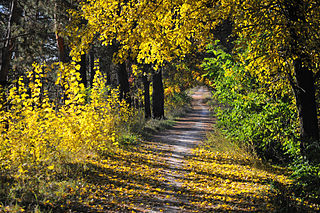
x: 304, y: 84
x: 7, y: 49
x: 28, y: 37
x: 157, y: 95
x: 282, y: 37
x: 146, y: 93
x: 91, y: 67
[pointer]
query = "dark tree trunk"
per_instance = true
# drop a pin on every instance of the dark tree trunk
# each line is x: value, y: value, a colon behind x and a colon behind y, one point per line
x: 6, y: 58
x: 62, y: 48
x: 157, y: 96
x: 91, y: 67
x: 83, y: 70
x: 15, y: 15
x: 64, y: 58
x: 147, y: 108
x: 304, y: 86
x: 307, y: 109
x: 123, y: 82
x: 108, y: 73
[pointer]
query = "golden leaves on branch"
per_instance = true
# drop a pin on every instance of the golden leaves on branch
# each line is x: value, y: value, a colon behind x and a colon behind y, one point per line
x: 41, y: 131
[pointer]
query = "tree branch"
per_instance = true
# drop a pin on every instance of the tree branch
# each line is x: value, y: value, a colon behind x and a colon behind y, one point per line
x: 14, y: 37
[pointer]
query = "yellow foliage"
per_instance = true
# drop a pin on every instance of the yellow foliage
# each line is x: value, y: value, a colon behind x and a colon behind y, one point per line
x: 154, y: 32
x: 35, y: 132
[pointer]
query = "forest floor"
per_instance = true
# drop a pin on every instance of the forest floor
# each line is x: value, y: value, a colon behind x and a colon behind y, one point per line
x: 173, y: 172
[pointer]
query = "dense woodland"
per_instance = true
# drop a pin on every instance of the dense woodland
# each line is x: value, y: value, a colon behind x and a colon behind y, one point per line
x: 80, y: 79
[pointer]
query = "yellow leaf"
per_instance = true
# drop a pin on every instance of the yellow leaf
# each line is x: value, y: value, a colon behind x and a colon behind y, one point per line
x: 77, y: 67
x: 51, y: 167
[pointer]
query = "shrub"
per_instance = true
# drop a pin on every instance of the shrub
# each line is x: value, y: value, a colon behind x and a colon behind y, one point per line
x: 306, y: 180
x: 37, y: 134
x: 248, y: 112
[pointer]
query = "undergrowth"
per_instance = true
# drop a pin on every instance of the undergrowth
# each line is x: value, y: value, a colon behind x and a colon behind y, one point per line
x: 177, y: 104
x: 250, y: 114
x: 41, y: 139
x: 278, y: 189
x: 50, y: 150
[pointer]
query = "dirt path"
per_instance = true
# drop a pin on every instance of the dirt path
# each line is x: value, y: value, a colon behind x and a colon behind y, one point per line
x: 170, y: 174
x: 176, y: 144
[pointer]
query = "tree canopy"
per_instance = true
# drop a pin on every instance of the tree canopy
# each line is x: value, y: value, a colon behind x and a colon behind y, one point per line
x: 277, y: 40
x: 155, y: 31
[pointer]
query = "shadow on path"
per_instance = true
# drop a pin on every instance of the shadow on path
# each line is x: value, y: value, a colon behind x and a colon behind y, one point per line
x: 176, y: 144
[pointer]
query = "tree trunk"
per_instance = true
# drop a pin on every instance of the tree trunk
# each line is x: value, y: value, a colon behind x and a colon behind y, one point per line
x: 15, y: 15
x: 304, y: 87
x: 157, y: 95
x: 62, y: 49
x: 6, y: 58
x: 146, y: 85
x: 307, y: 110
x: 123, y: 82
x: 91, y: 67
x: 83, y: 70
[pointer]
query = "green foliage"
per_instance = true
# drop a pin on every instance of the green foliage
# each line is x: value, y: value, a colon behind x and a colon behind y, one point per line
x: 181, y: 98
x: 128, y: 139
x: 177, y: 102
x: 248, y: 112
x: 306, y: 179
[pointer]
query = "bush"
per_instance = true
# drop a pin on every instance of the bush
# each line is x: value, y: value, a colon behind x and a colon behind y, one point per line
x: 37, y: 134
x: 306, y: 180
x: 248, y: 112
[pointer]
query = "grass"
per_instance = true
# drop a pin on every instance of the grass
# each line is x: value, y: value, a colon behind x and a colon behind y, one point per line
x: 131, y: 179
x: 111, y: 183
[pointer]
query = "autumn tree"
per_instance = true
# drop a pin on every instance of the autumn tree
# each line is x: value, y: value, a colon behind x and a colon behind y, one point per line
x: 27, y: 38
x: 282, y: 38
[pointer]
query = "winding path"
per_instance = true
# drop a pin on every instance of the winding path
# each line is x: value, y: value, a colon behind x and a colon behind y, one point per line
x: 176, y: 144
x: 166, y: 174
